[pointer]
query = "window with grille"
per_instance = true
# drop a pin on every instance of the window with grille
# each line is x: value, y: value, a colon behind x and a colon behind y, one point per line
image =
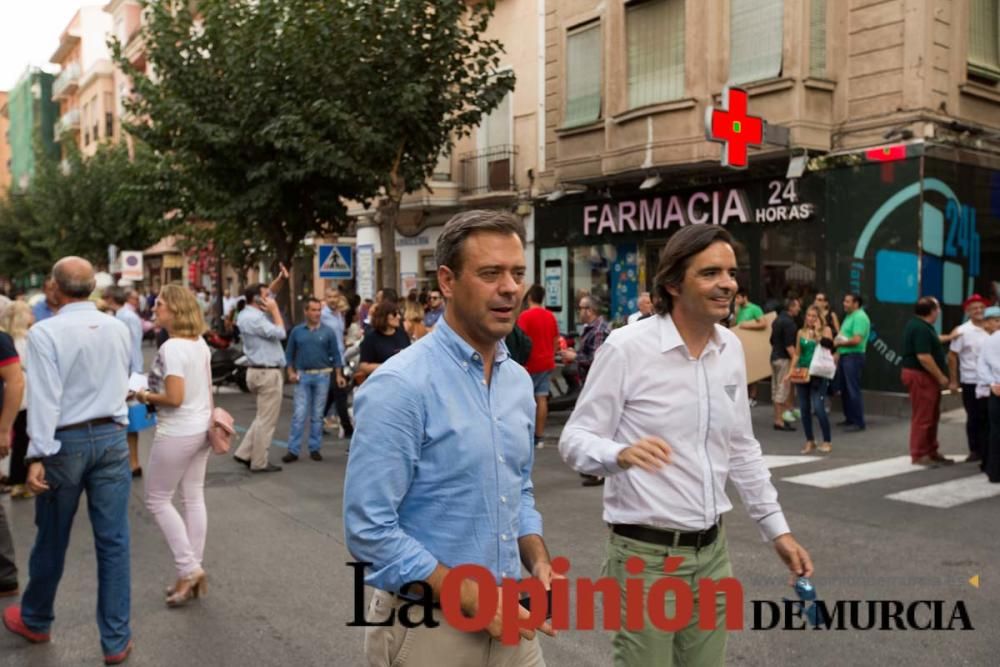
x: 583, y: 75
x: 755, y: 39
x: 984, y: 39
x: 655, y: 37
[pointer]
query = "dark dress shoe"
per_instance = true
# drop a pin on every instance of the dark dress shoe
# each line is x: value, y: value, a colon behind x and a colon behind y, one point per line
x: 942, y: 460
x: 137, y: 472
x: 315, y: 456
x: 845, y: 423
x: 289, y: 458
x: 783, y: 427
x: 853, y: 428
x: 591, y: 480
x: 270, y: 468
x: 973, y: 458
x: 245, y: 462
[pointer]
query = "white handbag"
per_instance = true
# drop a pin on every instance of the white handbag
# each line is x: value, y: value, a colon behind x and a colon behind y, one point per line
x: 822, y: 364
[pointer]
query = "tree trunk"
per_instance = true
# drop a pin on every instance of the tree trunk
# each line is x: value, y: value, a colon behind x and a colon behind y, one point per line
x: 388, y: 210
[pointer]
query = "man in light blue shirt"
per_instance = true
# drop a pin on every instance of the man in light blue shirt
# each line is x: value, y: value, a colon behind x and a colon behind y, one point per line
x: 262, y: 329
x: 46, y: 307
x: 139, y: 416
x: 440, y: 467
x: 77, y: 372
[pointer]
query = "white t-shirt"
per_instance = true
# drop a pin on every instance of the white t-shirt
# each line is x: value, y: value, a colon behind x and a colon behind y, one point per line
x: 967, y: 347
x: 190, y: 360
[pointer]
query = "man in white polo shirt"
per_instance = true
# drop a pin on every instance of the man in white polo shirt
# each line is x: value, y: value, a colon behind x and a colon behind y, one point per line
x: 963, y: 355
x: 664, y: 417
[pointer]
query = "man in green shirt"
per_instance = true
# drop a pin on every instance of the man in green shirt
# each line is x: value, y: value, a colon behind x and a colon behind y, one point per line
x: 924, y: 376
x: 851, y: 342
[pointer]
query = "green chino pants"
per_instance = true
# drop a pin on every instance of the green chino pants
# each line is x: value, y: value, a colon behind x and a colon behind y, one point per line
x: 651, y: 646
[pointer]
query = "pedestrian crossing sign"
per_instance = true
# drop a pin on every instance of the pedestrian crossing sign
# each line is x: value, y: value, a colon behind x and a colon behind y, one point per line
x: 335, y: 261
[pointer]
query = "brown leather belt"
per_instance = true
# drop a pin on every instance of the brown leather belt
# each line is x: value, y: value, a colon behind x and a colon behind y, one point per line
x: 668, y: 538
x: 99, y: 421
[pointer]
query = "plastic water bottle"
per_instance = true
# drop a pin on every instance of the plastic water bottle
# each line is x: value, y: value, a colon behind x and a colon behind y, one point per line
x: 806, y: 593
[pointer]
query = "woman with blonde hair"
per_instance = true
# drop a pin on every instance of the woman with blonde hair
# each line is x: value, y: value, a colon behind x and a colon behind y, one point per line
x: 413, y: 320
x: 15, y: 319
x: 812, y: 390
x: 182, y: 394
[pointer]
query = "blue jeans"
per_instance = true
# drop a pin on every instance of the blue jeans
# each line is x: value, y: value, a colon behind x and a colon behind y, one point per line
x: 309, y: 399
x: 92, y: 459
x: 849, y: 369
x: 812, y: 401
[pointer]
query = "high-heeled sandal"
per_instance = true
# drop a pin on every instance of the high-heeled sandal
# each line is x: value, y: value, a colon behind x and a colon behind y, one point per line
x: 810, y: 445
x: 826, y: 448
x: 192, y: 586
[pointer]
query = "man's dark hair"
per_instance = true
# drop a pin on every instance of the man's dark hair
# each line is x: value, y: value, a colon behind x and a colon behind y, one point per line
x: 309, y: 301
x: 536, y: 293
x: 452, y: 240
x: 925, y: 306
x: 389, y: 294
x: 676, y: 257
x: 115, y: 294
x: 253, y: 291
x: 856, y: 298
x: 742, y: 291
x: 790, y: 301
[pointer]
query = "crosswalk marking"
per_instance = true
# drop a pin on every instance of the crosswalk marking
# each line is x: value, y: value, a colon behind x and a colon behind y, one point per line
x: 951, y: 493
x: 855, y: 474
x: 778, y: 461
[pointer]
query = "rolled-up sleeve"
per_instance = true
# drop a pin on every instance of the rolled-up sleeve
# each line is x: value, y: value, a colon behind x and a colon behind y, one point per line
x: 587, y: 443
x: 748, y: 471
x: 385, y: 450
x: 44, y: 391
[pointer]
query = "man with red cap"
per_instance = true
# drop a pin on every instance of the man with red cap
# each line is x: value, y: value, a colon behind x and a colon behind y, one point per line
x: 963, y: 355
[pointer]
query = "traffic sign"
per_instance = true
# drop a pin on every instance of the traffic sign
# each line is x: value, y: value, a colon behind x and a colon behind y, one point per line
x: 131, y: 264
x: 335, y: 261
x: 733, y: 128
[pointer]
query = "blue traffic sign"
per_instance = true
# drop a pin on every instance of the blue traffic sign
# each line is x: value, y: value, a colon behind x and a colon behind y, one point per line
x: 335, y: 261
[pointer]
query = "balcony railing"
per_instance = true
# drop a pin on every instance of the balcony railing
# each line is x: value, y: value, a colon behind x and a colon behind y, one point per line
x: 67, y: 80
x: 489, y: 170
x: 69, y: 121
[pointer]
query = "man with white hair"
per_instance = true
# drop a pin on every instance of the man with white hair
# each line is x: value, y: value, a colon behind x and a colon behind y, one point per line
x: 645, y: 304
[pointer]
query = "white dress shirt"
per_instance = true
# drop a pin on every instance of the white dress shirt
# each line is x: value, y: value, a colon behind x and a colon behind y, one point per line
x: 645, y: 383
x: 634, y: 317
x: 77, y: 370
x: 988, y: 368
x: 967, y: 347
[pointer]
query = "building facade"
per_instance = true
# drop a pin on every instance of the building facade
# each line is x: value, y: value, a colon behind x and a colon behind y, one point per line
x: 495, y: 167
x: 892, y: 107
x: 4, y: 146
x: 84, y: 88
x: 30, y: 118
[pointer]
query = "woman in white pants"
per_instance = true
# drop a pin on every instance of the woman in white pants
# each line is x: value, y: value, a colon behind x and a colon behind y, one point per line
x: 181, y: 391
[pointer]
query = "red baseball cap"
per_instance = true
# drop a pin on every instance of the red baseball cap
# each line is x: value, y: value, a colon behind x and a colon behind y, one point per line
x: 975, y: 298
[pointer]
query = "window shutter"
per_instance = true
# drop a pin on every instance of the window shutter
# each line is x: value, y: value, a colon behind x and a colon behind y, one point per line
x: 655, y: 51
x: 755, y: 39
x: 817, y: 38
x: 984, y: 38
x: 583, y: 75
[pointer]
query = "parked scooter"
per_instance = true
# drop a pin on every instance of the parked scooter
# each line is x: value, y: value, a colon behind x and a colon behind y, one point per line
x: 228, y: 363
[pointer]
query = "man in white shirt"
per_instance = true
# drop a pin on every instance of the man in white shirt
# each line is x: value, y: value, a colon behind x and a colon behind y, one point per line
x: 645, y: 305
x: 963, y: 355
x: 664, y: 417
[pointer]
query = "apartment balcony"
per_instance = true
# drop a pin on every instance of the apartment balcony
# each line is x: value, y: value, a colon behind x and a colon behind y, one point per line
x: 68, y: 122
x: 67, y: 82
x: 489, y: 170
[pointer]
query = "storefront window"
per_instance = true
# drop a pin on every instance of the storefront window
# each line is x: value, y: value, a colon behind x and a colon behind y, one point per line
x: 609, y: 272
x: 788, y: 263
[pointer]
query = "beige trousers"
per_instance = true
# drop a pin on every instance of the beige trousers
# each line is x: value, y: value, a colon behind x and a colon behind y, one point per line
x: 443, y: 646
x: 267, y: 384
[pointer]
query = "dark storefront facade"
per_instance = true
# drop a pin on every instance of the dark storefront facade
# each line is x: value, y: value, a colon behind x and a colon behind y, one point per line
x: 892, y: 224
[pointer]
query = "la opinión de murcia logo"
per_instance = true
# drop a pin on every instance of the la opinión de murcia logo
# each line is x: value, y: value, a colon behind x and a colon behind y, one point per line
x: 641, y: 603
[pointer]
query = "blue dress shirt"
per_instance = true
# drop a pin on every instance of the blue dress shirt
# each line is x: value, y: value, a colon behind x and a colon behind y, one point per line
x: 131, y: 319
x: 41, y: 311
x: 261, y: 338
x: 440, y: 465
x: 335, y: 321
x: 312, y: 349
x: 77, y: 370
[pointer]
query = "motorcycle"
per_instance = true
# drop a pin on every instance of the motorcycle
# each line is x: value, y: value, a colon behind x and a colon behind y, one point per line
x: 228, y: 363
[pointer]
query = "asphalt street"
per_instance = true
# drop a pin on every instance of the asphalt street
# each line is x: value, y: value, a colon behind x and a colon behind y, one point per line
x: 280, y: 592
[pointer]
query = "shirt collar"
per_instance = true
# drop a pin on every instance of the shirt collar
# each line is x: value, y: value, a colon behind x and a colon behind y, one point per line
x: 670, y: 337
x: 77, y: 306
x: 459, y: 349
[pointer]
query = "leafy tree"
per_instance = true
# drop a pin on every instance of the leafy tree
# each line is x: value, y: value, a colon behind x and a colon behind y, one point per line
x: 78, y: 207
x: 268, y: 116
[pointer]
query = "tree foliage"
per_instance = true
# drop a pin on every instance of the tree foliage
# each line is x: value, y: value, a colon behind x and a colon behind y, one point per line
x: 269, y: 116
x: 78, y: 207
